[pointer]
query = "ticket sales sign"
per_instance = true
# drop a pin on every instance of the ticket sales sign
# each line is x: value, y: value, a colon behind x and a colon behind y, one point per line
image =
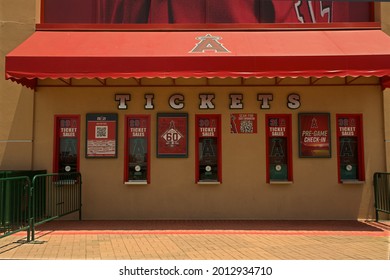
x: 348, y: 126
x: 208, y: 126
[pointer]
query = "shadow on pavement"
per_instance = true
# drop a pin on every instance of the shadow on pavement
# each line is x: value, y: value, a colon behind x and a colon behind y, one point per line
x: 245, y: 225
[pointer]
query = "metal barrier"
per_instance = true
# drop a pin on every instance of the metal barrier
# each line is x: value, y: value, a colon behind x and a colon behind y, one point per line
x: 382, y: 193
x: 26, y: 204
x: 14, y: 205
x: 54, y: 196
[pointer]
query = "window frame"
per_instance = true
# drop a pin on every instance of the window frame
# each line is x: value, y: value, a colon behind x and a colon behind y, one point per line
x: 360, y: 148
x: 147, y: 117
x: 218, y: 118
x: 56, y: 140
x: 288, y: 135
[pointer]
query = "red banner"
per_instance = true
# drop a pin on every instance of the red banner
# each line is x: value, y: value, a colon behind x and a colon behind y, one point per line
x: 172, y: 135
x: 69, y: 128
x: 205, y: 11
x: 314, y: 133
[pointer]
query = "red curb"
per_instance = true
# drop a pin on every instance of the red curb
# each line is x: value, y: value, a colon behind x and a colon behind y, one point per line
x: 211, y: 232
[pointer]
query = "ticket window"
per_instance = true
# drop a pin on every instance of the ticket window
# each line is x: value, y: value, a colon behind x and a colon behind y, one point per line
x: 350, y: 148
x: 137, y: 157
x: 279, y: 149
x: 67, y: 144
x: 208, y: 149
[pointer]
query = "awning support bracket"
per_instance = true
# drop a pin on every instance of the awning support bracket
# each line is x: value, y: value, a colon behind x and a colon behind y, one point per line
x: 314, y: 80
x: 350, y: 81
x: 102, y: 82
x: 278, y: 81
x: 68, y: 83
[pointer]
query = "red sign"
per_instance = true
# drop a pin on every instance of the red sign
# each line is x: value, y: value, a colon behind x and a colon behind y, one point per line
x: 68, y: 128
x: 348, y: 126
x: 208, y: 126
x: 138, y: 127
x: 314, y: 134
x: 101, y: 135
x: 277, y: 127
x: 243, y: 123
x: 172, y: 135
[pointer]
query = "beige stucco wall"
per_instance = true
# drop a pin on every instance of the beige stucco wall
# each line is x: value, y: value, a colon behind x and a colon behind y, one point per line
x: 17, y: 22
x: 385, y: 20
x: 244, y: 193
x: 384, y: 13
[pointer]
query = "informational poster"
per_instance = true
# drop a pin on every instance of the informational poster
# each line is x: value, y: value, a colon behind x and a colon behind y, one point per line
x: 101, y: 136
x: 314, y: 135
x: 172, y: 135
x: 243, y: 123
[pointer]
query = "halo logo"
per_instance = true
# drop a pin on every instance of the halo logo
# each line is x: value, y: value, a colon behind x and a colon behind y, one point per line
x: 209, y: 43
x: 172, y: 136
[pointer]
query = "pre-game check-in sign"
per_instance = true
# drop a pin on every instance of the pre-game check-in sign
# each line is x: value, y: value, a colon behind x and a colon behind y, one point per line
x: 314, y: 135
x: 172, y: 135
x: 101, y: 135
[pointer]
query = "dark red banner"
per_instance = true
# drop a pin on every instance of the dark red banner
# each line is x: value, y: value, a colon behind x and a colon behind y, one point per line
x: 314, y: 135
x: 172, y: 135
x: 204, y: 11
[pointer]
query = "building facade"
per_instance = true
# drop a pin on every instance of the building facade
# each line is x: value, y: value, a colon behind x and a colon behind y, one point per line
x: 199, y: 122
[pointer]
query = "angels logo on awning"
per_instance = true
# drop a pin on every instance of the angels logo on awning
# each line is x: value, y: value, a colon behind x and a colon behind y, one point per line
x: 209, y: 43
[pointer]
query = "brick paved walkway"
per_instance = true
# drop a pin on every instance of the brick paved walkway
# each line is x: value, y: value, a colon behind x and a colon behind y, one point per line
x: 203, y: 240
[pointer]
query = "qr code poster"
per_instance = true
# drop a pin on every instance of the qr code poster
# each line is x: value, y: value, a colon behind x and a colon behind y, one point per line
x: 101, y: 135
x: 243, y: 123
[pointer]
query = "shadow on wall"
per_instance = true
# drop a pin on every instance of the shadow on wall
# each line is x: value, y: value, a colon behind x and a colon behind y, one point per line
x: 17, y: 119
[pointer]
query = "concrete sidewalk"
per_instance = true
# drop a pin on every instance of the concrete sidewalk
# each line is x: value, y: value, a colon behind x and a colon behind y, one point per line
x: 203, y: 240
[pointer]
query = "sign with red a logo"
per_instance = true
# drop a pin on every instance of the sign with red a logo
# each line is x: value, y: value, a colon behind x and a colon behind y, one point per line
x: 209, y: 43
x: 172, y: 135
x: 314, y: 134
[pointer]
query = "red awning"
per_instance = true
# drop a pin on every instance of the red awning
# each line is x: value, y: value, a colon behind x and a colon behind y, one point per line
x: 48, y: 54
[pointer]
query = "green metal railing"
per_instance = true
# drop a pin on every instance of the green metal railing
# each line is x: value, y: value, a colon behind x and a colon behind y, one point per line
x: 54, y: 196
x: 382, y: 193
x: 26, y: 204
x: 14, y: 205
